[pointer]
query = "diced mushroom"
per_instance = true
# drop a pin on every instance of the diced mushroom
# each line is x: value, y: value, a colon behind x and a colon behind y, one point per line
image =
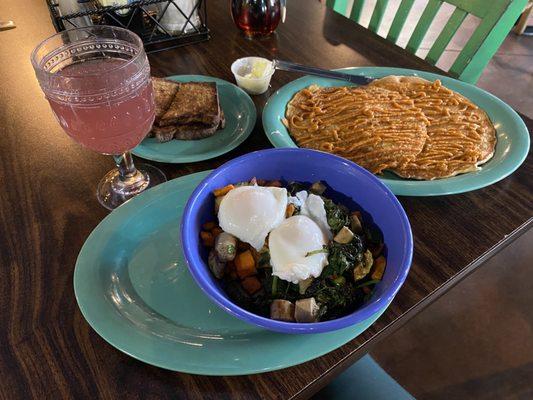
x: 306, y: 310
x: 216, y: 266
x: 344, y: 236
x: 355, y: 222
x: 363, y: 268
x: 317, y: 188
x: 303, y: 285
x: 282, y: 310
x: 226, y: 246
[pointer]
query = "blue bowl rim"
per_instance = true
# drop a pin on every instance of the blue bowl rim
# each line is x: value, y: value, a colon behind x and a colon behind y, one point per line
x: 361, y: 314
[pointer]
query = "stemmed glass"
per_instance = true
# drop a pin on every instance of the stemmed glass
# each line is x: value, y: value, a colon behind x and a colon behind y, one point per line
x: 97, y: 81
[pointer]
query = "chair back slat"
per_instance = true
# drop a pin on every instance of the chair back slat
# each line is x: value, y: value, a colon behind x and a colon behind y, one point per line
x: 497, y: 18
x: 446, y: 35
x: 479, y: 8
x: 399, y: 20
x: 377, y: 15
x: 339, y: 6
x: 423, y: 25
x: 357, y: 8
x: 486, y: 39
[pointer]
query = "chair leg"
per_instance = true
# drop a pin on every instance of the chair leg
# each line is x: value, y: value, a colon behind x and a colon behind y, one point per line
x: 520, y: 27
x: 365, y: 380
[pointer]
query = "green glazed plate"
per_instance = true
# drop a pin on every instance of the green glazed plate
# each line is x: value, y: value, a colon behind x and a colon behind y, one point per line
x: 511, y: 149
x: 134, y: 289
x: 239, y: 110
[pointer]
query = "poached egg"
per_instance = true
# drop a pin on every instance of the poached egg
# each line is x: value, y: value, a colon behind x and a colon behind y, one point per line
x: 250, y: 212
x: 312, y: 206
x: 289, y: 245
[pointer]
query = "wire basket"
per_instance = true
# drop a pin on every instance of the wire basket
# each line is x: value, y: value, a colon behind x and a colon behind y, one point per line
x: 145, y: 18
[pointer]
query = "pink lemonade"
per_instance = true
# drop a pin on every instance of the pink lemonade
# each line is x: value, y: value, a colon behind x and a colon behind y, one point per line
x: 111, y: 123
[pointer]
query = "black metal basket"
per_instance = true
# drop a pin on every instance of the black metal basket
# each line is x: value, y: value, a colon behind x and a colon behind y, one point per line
x: 139, y: 18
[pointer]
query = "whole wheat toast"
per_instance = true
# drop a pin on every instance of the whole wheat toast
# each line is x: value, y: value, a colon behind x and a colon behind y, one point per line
x: 162, y: 134
x: 164, y: 91
x: 192, y: 131
x: 194, y: 102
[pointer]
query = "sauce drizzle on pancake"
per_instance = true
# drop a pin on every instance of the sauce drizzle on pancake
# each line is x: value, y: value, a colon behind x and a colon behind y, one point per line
x: 413, y: 127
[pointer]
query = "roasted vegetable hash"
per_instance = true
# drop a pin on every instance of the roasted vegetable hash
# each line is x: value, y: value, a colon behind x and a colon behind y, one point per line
x: 353, y: 264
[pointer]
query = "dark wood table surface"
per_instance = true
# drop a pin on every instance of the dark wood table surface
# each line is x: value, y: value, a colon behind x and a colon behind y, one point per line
x: 48, y: 208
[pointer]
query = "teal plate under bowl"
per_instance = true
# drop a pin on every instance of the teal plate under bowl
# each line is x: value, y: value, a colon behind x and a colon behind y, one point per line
x: 511, y: 148
x: 240, y: 113
x: 133, y: 287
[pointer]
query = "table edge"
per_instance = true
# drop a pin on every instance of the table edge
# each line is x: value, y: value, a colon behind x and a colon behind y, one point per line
x: 315, y: 385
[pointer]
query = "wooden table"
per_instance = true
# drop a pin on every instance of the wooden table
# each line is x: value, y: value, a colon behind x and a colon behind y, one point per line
x: 48, y: 208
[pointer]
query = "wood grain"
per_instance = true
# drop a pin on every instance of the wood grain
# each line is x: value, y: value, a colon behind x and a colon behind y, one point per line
x: 48, y: 208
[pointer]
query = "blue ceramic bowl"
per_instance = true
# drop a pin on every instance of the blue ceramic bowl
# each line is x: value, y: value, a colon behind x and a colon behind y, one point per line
x: 348, y: 183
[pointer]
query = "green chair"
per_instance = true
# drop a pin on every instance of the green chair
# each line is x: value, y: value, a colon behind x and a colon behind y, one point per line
x: 497, y: 19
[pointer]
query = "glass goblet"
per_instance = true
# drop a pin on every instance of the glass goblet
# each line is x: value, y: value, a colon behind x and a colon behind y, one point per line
x: 97, y: 81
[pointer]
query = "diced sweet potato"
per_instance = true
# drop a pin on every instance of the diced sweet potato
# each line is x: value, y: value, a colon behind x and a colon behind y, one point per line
x: 245, y: 264
x: 379, y: 268
x: 251, y: 285
x: 217, y: 230
x: 207, y: 238
x: 376, y: 251
x: 255, y: 255
x: 242, y: 246
x: 208, y: 226
x: 218, y: 200
x: 289, y: 210
x: 223, y: 191
x: 231, y: 270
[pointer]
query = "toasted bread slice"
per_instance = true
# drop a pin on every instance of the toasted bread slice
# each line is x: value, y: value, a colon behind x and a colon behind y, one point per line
x: 164, y: 91
x: 186, y: 132
x: 194, y: 131
x: 195, y: 102
x: 163, y: 134
x: 198, y: 131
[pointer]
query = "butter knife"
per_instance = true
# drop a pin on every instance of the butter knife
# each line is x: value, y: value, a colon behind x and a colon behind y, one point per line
x: 325, y: 73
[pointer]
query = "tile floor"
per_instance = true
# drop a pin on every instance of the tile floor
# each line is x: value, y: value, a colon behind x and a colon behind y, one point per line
x: 474, y: 342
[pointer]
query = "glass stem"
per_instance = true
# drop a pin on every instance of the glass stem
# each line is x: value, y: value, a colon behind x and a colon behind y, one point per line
x: 129, y: 179
x: 126, y: 168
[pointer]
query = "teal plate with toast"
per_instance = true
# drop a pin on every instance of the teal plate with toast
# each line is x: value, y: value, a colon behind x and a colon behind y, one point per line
x: 134, y: 288
x: 240, y: 114
x: 512, y: 135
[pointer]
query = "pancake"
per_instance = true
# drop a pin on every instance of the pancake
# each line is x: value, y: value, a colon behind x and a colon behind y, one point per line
x: 375, y: 127
x: 460, y: 136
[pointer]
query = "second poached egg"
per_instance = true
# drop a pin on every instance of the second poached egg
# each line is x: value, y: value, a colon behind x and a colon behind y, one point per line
x: 289, y: 245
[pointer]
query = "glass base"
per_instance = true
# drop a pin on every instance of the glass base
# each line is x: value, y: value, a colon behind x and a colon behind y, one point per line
x: 112, y: 191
